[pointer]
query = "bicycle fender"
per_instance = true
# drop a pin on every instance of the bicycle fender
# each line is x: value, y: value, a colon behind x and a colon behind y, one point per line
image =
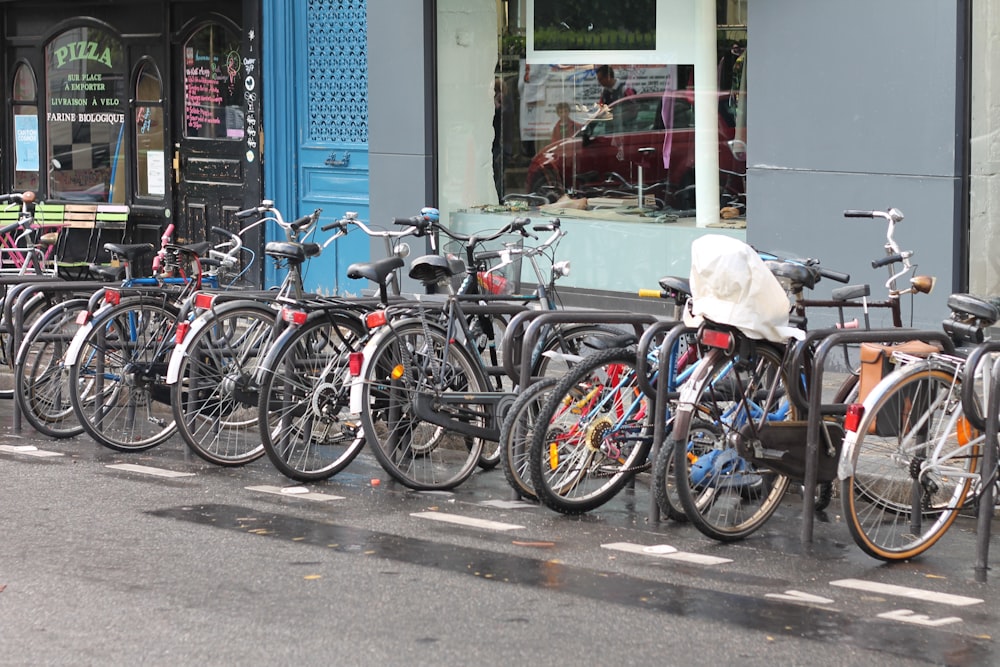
x: 180, y: 351
x: 357, y: 382
x: 845, y: 468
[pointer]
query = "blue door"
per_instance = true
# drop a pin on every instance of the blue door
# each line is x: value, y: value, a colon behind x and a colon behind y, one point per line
x: 316, y: 126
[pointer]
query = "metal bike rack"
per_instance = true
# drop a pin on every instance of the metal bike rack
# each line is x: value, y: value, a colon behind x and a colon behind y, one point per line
x: 815, y: 409
x: 661, y: 392
x: 532, y: 322
x: 16, y: 299
x: 987, y: 423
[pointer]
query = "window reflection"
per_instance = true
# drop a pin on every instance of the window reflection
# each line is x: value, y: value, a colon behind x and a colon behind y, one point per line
x: 150, y: 163
x: 213, y: 89
x: 84, y: 117
x: 26, y: 148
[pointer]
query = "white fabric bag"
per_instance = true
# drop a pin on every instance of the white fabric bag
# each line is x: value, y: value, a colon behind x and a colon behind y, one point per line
x: 731, y: 285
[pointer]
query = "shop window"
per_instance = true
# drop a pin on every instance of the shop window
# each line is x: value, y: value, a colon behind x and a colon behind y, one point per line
x: 587, y: 110
x: 213, y: 91
x: 150, y: 160
x: 84, y: 116
x: 25, y: 115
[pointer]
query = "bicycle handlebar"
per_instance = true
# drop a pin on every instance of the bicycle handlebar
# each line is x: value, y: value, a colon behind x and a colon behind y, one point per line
x: 888, y: 259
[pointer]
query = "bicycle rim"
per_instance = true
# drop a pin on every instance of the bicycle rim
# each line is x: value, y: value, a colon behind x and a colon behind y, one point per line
x: 596, y: 434
x: 308, y: 432
x: 896, y: 505
x: 41, y: 376
x: 723, y: 493
x: 215, y: 398
x: 124, y: 357
x: 416, y: 453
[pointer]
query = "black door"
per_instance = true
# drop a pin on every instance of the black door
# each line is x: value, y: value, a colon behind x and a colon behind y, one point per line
x: 209, y: 127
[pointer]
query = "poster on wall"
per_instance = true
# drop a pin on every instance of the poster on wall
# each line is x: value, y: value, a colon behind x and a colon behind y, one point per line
x: 579, y: 32
x: 26, y: 142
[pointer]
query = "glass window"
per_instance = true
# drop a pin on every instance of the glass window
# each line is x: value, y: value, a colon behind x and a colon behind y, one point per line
x: 213, y: 91
x: 586, y: 111
x: 85, y: 117
x: 25, y: 114
x: 150, y: 162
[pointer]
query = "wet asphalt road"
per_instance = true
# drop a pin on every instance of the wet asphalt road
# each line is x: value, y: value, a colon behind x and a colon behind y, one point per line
x: 102, y: 565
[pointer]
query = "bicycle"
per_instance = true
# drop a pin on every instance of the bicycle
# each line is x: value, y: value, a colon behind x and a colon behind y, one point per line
x: 120, y: 353
x: 310, y: 434
x: 529, y: 411
x: 214, y: 368
x: 911, y: 459
x: 422, y: 389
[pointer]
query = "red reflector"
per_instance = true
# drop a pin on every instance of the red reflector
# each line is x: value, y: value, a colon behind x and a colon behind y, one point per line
x: 82, y: 317
x: 112, y: 296
x: 203, y: 301
x: 182, y: 330
x: 293, y: 316
x: 855, y: 411
x: 355, y: 359
x: 375, y: 319
x: 719, y: 339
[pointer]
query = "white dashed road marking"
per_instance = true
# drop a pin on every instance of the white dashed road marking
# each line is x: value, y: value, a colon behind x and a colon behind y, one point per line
x: 297, y: 491
x: 466, y: 521
x: 799, y: 596
x: 906, y: 592
x: 664, y: 551
x: 28, y: 450
x: 148, y: 470
x: 907, y: 616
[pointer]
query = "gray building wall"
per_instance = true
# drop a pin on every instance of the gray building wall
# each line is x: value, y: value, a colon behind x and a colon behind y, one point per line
x: 852, y: 104
x: 857, y: 104
x: 401, y: 98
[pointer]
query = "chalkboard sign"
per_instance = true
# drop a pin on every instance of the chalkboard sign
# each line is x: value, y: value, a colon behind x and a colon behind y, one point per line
x: 213, y: 85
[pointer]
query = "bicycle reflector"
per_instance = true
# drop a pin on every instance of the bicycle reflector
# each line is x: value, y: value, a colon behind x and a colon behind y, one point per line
x: 375, y: 319
x: 293, y: 316
x: 855, y: 411
x: 112, y: 296
x: 182, y: 331
x: 204, y: 301
x: 720, y: 339
x: 354, y: 361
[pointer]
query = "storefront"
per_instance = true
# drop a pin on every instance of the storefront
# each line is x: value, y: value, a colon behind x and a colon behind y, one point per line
x: 502, y: 117
x: 145, y: 105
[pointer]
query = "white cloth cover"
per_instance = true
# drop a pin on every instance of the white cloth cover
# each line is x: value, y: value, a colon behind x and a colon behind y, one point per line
x: 731, y: 285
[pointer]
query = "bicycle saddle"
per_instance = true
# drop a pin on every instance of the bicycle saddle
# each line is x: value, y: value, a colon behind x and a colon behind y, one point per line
x: 130, y: 252
x: 377, y: 270
x: 797, y: 274
x: 432, y: 269
x: 679, y: 286
x: 293, y: 252
x: 974, y: 306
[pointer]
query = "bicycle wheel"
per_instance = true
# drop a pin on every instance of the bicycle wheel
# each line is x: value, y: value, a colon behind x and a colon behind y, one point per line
x: 597, y: 436
x: 33, y: 308
x: 415, y: 361
x: 913, y: 463
x: 722, y: 492
x: 515, y: 436
x: 665, y: 482
x: 123, y: 354
x: 215, y: 397
x: 553, y: 357
x: 307, y: 430
x: 41, y: 378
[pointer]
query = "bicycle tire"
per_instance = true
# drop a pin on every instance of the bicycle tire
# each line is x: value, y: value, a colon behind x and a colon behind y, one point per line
x: 418, y: 454
x: 306, y: 428
x: 554, y: 357
x: 215, y: 398
x: 590, y: 451
x: 723, y: 494
x: 41, y: 378
x: 35, y: 307
x: 515, y: 436
x: 124, y: 351
x: 919, y: 409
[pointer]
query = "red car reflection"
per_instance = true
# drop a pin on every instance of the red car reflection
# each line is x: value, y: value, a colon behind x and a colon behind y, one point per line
x: 606, y: 153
